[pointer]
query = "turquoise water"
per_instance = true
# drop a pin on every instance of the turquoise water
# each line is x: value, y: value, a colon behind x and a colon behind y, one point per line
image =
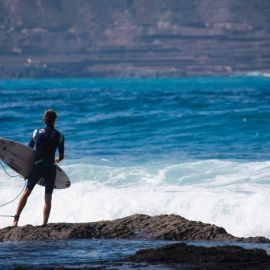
x: 197, y: 147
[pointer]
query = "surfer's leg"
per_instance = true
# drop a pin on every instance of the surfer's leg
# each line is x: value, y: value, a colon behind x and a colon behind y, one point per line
x: 34, y: 176
x: 49, y: 179
x: 47, y: 207
x: 21, y: 205
x: 31, y: 182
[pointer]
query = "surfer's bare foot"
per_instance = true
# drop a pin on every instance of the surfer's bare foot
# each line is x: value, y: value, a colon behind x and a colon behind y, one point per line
x: 15, y: 221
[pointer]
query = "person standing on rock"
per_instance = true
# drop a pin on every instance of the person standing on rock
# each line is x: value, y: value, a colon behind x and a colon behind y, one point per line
x: 45, y: 142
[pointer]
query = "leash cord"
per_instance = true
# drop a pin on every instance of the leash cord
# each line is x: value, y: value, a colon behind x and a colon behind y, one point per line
x: 4, y: 204
x: 7, y: 171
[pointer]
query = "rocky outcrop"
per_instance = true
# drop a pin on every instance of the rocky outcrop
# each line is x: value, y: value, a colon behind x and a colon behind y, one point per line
x: 163, y: 227
x: 213, y: 258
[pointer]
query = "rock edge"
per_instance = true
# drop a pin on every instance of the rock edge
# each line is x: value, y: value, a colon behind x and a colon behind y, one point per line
x: 138, y: 226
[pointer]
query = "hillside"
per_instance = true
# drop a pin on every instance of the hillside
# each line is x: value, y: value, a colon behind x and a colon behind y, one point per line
x: 133, y: 38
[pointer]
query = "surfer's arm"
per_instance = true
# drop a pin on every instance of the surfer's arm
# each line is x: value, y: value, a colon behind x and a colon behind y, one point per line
x: 32, y: 141
x: 61, y: 157
x: 61, y: 149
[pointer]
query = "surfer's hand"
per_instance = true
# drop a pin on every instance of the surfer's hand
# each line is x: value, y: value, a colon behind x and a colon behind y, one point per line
x: 61, y: 157
x: 57, y: 160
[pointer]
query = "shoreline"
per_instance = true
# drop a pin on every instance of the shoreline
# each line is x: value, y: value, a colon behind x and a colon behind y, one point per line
x: 143, y: 227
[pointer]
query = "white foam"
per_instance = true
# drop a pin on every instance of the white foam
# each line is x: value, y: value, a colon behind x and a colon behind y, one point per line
x: 234, y: 195
x: 258, y: 74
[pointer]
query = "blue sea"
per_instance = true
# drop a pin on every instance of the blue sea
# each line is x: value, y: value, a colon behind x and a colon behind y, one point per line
x: 197, y: 147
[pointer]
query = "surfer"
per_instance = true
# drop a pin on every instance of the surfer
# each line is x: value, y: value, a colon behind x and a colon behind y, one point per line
x: 45, y: 141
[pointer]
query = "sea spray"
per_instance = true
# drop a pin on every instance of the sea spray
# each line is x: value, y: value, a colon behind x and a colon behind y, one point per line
x: 231, y: 194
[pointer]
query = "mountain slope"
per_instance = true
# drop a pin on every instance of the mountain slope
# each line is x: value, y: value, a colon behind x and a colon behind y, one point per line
x: 140, y: 38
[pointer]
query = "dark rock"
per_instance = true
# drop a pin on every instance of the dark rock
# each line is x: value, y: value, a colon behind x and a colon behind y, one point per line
x: 163, y: 227
x: 219, y: 258
x: 257, y: 239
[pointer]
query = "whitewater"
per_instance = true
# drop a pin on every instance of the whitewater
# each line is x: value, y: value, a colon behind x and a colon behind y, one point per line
x: 196, y: 147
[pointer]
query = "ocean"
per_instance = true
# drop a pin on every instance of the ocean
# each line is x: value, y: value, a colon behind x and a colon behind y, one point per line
x: 196, y: 147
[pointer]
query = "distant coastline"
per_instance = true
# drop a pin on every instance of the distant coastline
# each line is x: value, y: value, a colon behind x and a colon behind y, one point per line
x: 138, y: 39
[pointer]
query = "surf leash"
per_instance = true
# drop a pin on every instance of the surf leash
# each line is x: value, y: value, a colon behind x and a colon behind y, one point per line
x: 7, y: 171
x: 4, y: 204
x: 6, y: 216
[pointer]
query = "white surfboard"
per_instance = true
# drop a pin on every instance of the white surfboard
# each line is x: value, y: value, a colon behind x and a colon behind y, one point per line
x: 20, y: 158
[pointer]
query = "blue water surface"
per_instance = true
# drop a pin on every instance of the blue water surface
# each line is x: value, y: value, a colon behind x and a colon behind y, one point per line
x: 87, y: 252
x: 67, y: 253
x: 141, y: 120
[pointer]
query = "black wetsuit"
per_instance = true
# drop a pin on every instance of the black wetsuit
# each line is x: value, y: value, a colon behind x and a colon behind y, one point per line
x: 45, y: 141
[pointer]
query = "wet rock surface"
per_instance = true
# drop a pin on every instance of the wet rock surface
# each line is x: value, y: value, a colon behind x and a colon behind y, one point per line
x: 219, y: 258
x: 163, y: 227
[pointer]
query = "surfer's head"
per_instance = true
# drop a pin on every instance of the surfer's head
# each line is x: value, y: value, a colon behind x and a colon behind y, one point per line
x: 49, y: 117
